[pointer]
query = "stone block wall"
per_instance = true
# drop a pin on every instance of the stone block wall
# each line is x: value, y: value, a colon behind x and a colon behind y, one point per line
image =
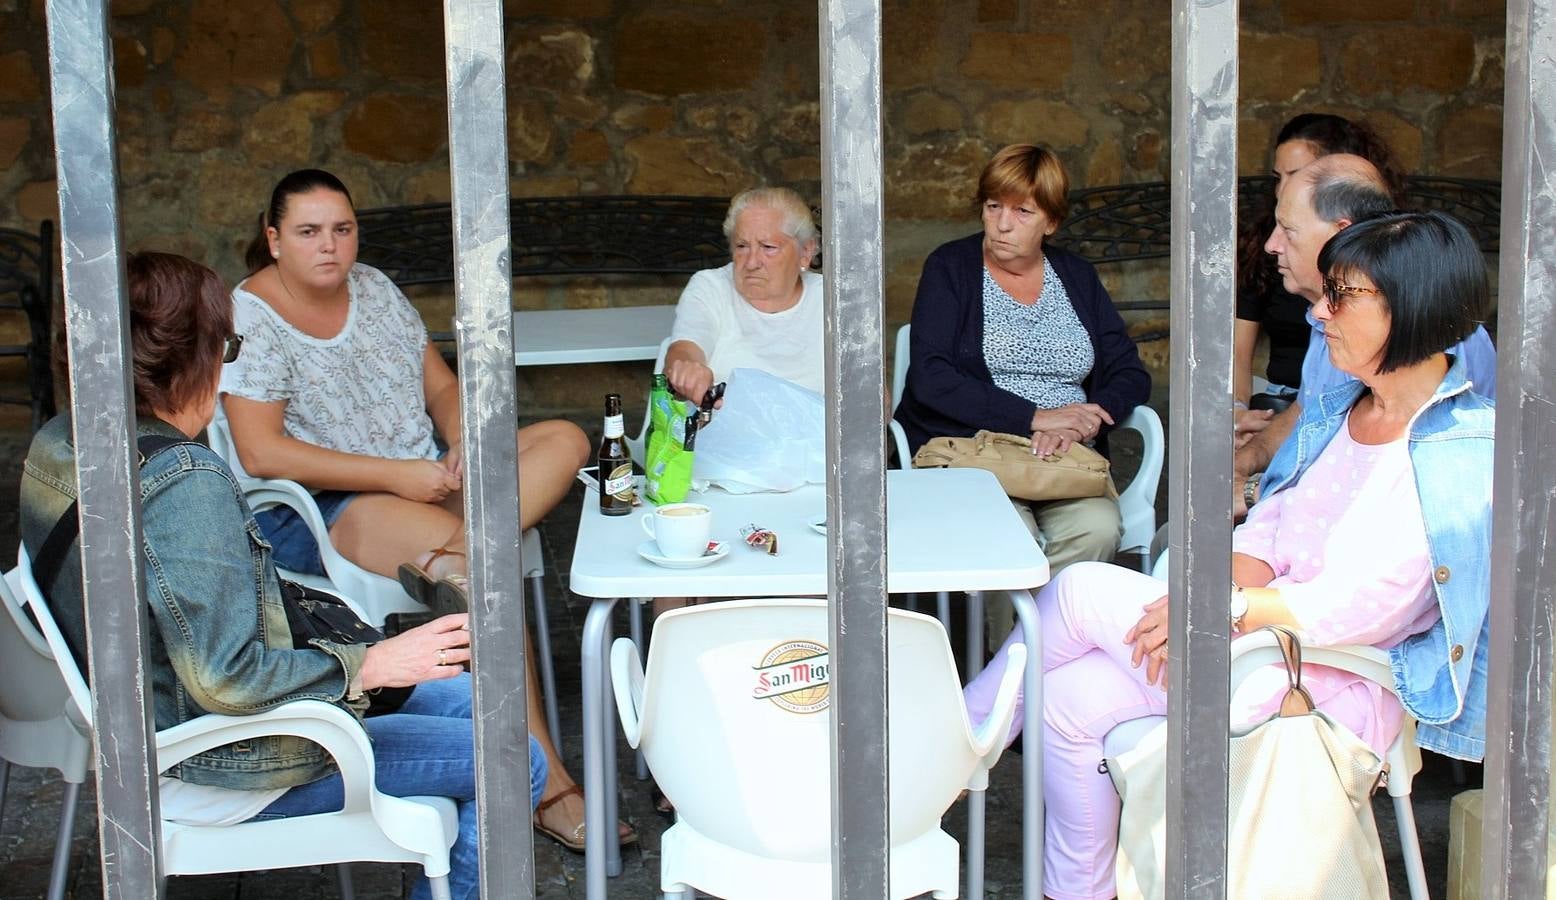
x: 217, y: 99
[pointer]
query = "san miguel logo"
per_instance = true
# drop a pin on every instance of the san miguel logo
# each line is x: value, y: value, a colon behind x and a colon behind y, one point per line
x: 795, y: 676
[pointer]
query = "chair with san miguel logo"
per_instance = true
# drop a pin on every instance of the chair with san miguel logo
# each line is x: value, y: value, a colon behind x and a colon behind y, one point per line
x: 733, y: 716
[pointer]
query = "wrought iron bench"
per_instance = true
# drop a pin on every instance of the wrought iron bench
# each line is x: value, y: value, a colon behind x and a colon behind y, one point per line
x: 27, y: 287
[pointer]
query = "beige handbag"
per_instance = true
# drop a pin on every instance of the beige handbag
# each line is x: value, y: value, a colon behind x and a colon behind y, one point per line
x: 1299, y: 808
x: 1078, y: 472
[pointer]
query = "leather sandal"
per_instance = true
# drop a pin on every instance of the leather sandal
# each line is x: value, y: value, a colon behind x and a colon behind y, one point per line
x: 419, y: 582
x: 574, y: 840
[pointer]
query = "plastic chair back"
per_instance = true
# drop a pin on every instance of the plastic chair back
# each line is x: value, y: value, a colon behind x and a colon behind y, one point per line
x: 736, y: 723
x: 40, y: 725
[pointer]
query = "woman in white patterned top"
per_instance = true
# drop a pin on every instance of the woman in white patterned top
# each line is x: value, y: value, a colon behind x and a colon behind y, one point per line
x: 340, y: 390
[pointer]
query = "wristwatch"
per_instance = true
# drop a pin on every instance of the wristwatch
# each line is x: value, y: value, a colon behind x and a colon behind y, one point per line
x: 1250, y: 491
x: 1238, y: 608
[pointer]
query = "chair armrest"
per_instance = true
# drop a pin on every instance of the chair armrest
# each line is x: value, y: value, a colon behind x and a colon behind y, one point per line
x: 329, y: 726
x: 900, y: 438
x: 627, y: 686
x: 1259, y: 649
x: 990, y: 737
x: 1141, y: 490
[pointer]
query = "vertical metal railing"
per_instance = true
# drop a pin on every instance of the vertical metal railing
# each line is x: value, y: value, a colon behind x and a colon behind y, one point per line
x: 108, y: 477
x: 478, y: 162
x: 856, y: 443
x: 1204, y: 204
x: 1523, y: 570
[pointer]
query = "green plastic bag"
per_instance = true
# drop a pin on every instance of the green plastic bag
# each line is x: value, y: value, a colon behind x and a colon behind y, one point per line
x: 668, y: 472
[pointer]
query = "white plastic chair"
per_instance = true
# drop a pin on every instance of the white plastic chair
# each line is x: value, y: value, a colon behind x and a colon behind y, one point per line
x: 373, y: 596
x: 40, y: 725
x: 750, y: 778
x: 1136, y: 502
x: 1252, y: 652
x: 371, y: 825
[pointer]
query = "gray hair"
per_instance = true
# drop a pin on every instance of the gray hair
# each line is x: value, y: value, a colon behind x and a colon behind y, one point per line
x: 1345, y: 193
x: 798, y: 222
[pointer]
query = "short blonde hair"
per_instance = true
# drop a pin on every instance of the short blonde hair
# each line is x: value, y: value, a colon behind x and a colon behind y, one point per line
x: 798, y: 222
x: 1027, y: 170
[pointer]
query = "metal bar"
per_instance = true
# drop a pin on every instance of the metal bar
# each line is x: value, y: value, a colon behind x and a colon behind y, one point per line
x: 1523, y: 570
x: 1204, y: 205
x: 853, y: 231
x: 108, y: 477
x: 478, y: 160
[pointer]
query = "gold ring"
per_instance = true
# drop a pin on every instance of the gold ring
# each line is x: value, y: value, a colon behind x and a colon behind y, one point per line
x: 442, y: 657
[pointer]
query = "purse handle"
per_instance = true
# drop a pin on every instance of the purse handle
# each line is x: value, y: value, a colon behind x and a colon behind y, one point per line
x: 1297, y: 701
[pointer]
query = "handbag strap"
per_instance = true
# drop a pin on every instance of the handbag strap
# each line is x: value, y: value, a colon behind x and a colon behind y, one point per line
x: 1297, y: 701
x: 51, y: 553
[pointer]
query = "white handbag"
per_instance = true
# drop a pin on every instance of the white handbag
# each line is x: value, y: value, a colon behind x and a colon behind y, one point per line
x: 1299, y: 808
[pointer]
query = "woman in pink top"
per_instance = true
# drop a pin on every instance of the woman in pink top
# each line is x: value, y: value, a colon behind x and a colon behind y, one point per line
x: 1340, y: 553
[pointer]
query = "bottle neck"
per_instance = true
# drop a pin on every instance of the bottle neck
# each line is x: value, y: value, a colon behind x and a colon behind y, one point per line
x: 614, y: 427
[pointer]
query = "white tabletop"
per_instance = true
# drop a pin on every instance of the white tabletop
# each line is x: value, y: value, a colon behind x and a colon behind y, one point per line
x: 947, y: 530
x: 612, y: 334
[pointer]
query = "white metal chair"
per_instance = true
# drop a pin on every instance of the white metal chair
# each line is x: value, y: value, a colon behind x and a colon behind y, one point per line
x: 40, y: 725
x: 1136, y: 502
x: 371, y: 825
x: 373, y: 596
x: 732, y: 715
x: 1251, y: 652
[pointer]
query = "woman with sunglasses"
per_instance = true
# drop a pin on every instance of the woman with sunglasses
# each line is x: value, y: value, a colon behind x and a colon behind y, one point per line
x: 1375, y: 529
x: 219, y: 641
x: 340, y: 390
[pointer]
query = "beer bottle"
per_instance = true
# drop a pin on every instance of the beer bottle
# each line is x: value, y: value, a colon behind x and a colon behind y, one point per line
x: 615, y: 465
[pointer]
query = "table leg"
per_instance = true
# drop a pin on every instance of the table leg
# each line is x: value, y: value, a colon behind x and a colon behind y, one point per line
x: 608, y: 756
x: 638, y: 638
x: 1031, y: 748
x: 975, y: 651
x: 597, y: 828
x: 976, y: 845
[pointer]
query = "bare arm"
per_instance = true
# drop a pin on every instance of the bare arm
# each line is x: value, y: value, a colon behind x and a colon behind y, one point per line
x: 267, y: 451
x: 440, y: 388
x: 1245, y: 338
x: 686, y: 368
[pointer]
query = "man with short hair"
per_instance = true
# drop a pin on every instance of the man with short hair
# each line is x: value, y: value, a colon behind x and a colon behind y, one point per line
x: 1314, y: 205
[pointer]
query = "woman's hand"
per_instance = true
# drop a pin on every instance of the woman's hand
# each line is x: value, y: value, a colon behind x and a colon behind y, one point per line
x: 424, y: 480
x: 1085, y: 419
x: 454, y: 461
x: 1149, y: 637
x: 688, y: 378
x: 1054, y: 443
x: 438, y: 649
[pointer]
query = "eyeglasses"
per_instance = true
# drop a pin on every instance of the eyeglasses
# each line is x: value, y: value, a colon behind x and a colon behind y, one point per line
x: 232, y: 348
x: 1334, y: 290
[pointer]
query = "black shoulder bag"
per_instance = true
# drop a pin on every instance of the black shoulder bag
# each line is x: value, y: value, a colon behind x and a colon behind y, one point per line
x: 310, y: 614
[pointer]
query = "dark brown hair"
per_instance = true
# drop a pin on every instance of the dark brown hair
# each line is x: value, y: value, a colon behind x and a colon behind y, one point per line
x: 1027, y: 170
x: 180, y: 317
x: 257, y: 256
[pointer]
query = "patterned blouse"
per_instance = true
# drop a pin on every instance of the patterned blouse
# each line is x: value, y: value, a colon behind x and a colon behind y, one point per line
x: 1038, y: 351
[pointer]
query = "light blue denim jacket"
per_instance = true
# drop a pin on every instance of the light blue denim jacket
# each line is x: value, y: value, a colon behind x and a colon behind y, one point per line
x: 220, y: 641
x: 1440, y: 674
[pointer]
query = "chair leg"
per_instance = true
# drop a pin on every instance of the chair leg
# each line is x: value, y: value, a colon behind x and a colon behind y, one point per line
x: 1410, y: 846
x: 542, y: 632
x: 635, y: 608
x: 343, y: 881
x: 439, y: 888
x: 975, y: 842
x: 59, y: 873
x: 974, y: 633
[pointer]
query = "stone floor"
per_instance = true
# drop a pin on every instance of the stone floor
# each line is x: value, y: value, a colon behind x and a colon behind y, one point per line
x: 32, y: 803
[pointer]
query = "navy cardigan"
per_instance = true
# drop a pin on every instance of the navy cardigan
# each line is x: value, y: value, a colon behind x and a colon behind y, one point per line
x: 949, y: 391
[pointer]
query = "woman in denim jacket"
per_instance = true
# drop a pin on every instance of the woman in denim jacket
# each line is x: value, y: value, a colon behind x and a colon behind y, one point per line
x: 221, y: 643
x: 1374, y: 529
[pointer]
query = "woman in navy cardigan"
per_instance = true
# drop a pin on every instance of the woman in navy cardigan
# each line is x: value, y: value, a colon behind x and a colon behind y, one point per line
x: 1012, y: 336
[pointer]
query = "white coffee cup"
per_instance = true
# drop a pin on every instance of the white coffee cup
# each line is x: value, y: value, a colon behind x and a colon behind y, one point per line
x: 680, y: 529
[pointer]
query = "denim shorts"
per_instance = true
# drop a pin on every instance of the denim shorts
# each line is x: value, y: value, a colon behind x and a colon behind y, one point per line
x: 292, y: 544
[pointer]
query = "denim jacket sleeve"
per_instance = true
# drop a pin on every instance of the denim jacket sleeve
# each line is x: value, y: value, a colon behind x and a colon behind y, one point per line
x: 217, y: 603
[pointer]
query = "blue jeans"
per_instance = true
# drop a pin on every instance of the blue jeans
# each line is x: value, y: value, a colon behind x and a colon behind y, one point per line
x: 426, y: 749
x: 291, y: 543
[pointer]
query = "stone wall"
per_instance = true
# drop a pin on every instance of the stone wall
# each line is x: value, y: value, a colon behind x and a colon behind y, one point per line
x: 217, y: 99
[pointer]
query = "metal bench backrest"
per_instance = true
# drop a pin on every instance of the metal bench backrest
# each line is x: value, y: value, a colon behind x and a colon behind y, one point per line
x: 27, y: 286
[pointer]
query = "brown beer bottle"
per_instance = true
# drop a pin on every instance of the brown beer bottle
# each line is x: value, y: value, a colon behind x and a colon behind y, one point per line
x: 615, y: 471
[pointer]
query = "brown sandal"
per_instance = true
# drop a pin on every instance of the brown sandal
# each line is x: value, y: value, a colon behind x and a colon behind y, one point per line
x: 418, y: 581
x: 574, y: 841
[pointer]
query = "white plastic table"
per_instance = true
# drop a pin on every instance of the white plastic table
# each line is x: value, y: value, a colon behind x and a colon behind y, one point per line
x: 947, y: 530
x: 615, y: 334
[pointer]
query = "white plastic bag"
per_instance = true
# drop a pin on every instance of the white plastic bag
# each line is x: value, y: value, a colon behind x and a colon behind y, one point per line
x: 770, y: 435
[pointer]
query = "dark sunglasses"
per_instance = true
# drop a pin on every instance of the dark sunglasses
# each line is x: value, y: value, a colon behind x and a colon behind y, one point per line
x: 1335, y: 290
x: 233, y: 347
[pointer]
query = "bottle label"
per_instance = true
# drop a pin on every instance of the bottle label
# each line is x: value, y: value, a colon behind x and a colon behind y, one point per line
x: 618, y: 483
x: 614, y: 427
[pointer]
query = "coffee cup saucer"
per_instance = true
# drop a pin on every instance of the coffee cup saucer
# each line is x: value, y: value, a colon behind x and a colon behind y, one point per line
x: 716, y: 551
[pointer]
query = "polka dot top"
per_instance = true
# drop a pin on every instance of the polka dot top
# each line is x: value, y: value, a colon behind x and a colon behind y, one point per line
x: 1038, y: 351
